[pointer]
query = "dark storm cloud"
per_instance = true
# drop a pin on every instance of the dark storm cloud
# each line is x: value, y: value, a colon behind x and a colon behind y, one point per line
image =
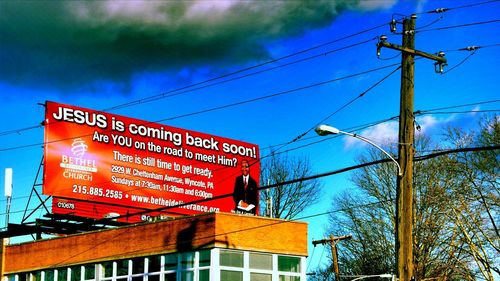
x: 69, y: 44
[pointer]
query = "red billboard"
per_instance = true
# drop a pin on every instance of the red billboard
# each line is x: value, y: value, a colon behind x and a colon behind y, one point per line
x: 117, y: 166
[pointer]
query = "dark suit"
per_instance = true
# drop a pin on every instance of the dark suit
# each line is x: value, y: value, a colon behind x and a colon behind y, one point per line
x: 250, y: 195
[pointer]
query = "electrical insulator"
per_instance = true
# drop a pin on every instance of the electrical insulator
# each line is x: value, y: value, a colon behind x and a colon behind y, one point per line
x: 439, y: 67
x: 440, y: 10
x: 382, y: 38
x: 392, y: 25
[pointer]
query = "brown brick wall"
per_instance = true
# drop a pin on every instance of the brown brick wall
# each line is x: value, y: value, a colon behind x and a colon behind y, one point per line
x: 203, y: 231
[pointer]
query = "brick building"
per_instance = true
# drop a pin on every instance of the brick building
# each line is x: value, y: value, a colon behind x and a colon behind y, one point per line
x: 213, y: 246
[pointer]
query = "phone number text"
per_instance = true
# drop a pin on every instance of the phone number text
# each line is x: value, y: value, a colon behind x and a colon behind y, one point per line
x: 97, y: 191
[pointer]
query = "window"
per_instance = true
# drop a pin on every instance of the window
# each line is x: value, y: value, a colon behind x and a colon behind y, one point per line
x: 204, y: 259
x: 231, y: 275
x: 288, y: 264
x: 187, y: 260
x: 260, y: 277
x: 171, y: 277
x: 48, y: 275
x: 76, y: 273
x: 36, y: 276
x: 62, y: 274
x: 171, y: 262
x: 289, y: 278
x: 154, y: 268
x: 204, y: 265
x: 122, y: 268
x: 106, y: 269
x: 154, y: 264
x: 231, y: 258
x: 204, y: 275
x: 261, y: 261
x: 89, y: 272
x: 187, y: 276
x: 154, y: 277
x: 138, y: 265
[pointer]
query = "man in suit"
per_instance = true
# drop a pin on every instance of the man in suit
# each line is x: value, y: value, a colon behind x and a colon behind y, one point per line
x: 245, y: 190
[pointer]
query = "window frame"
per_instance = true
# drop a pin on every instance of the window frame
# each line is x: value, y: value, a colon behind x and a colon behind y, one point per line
x: 197, y: 263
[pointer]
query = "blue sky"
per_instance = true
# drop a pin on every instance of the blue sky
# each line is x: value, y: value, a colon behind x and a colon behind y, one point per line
x: 305, y: 61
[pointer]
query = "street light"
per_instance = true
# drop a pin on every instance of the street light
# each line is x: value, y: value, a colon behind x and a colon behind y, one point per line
x: 324, y: 130
x: 373, y: 276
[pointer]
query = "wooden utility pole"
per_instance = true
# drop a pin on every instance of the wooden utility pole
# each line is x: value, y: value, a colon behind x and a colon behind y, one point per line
x: 404, y: 187
x: 406, y: 150
x: 333, y: 244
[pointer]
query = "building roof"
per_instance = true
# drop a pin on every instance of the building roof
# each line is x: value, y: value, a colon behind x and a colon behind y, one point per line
x: 212, y: 230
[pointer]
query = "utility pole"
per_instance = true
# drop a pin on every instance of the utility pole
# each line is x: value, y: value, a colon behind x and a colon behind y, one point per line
x: 406, y: 150
x: 333, y: 244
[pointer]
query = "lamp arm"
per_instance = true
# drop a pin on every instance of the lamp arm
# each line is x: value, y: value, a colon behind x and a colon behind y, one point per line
x: 400, y: 172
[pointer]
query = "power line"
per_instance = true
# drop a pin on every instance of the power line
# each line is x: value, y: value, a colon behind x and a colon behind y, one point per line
x: 271, y: 68
x: 371, y: 124
x: 430, y: 24
x: 360, y: 127
x: 306, y: 178
x: 464, y: 112
x: 364, y: 126
x: 350, y: 129
x: 312, y: 255
x: 286, y: 92
x: 442, y: 10
x: 420, y: 158
x: 193, y: 88
x: 166, y: 94
x: 456, y: 106
x: 163, y: 95
x: 337, y: 111
x: 460, y: 63
x: 270, y: 224
x: 18, y: 131
x: 417, y: 158
x: 460, y: 25
x: 469, y: 48
x: 473, y: 48
x: 358, y: 97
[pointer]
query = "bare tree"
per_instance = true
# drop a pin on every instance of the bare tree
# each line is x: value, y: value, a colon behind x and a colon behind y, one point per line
x: 456, y: 211
x: 477, y: 190
x: 288, y: 200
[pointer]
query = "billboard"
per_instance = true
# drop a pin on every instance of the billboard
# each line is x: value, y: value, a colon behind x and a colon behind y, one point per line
x: 119, y: 165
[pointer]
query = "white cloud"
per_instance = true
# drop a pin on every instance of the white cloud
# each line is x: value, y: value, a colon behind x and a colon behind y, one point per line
x: 475, y: 110
x: 420, y: 6
x: 200, y: 9
x: 426, y: 123
x: 385, y: 133
x: 135, y: 36
x: 376, y: 4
